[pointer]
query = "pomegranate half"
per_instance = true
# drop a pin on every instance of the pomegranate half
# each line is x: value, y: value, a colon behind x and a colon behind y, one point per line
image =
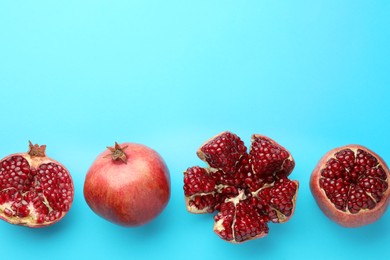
x: 35, y: 190
x: 351, y: 185
x: 128, y: 184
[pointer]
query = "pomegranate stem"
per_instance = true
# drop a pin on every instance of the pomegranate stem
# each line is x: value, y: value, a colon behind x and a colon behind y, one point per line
x: 36, y: 150
x: 117, y: 153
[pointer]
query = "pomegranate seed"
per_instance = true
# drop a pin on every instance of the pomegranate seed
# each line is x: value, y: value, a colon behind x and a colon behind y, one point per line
x: 8, y: 212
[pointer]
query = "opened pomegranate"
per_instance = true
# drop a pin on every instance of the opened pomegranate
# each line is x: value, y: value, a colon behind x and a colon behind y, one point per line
x: 351, y: 185
x: 35, y: 190
x: 128, y: 184
x: 247, y: 190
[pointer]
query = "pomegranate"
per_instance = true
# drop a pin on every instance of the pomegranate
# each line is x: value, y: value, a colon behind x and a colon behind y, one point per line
x: 128, y: 184
x: 248, y: 190
x: 35, y: 190
x: 351, y: 185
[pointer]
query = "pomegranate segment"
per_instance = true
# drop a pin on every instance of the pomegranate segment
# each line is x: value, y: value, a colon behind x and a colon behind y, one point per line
x: 350, y: 184
x: 223, y: 152
x: 35, y: 190
x: 268, y: 157
x: 239, y: 220
x: 199, y: 189
x: 248, y: 190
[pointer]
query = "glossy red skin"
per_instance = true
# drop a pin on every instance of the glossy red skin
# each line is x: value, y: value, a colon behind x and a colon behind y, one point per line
x: 130, y: 194
x: 344, y: 218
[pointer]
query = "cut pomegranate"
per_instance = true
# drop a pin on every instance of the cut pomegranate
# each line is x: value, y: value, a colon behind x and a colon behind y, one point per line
x: 247, y: 190
x: 350, y: 185
x: 35, y: 190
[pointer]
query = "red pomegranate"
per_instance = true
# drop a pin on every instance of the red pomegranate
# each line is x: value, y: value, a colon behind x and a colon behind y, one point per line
x: 128, y: 184
x: 351, y: 185
x: 35, y: 190
x: 248, y: 190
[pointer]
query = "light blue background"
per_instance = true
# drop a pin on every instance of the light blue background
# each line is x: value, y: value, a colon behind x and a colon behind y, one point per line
x: 79, y: 75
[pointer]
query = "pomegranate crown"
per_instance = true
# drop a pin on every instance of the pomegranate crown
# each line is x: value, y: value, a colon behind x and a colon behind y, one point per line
x: 36, y: 150
x: 117, y: 153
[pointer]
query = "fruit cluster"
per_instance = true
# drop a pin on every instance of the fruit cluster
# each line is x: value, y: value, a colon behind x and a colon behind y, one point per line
x: 129, y: 184
x: 247, y: 189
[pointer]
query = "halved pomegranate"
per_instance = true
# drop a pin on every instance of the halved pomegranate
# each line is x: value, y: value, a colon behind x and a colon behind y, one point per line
x: 35, y: 190
x: 247, y: 190
x: 351, y: 185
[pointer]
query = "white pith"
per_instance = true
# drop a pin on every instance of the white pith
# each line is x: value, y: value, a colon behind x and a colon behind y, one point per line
x: 218, y: 225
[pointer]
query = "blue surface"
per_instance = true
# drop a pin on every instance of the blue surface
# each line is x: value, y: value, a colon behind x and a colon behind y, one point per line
x: 79, y: 75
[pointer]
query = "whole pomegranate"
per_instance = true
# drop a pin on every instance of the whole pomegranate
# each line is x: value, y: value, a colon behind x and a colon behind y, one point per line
x: 247, y: 189
x: 351, y: 185
x: 35, y: 190
x: 128, y: 184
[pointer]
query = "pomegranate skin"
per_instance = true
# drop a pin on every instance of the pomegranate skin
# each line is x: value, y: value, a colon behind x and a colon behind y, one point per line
x: 130, y: 193
x: 346, y: 219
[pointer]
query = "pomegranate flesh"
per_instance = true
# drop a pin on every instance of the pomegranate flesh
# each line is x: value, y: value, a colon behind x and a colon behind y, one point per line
x: 35, y: 190
x: 128, y: 184
x: 351, y: 185
x: 248, y: 190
